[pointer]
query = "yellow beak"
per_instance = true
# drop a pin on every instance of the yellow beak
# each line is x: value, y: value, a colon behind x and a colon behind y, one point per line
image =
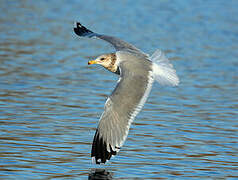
x: 92, y: 62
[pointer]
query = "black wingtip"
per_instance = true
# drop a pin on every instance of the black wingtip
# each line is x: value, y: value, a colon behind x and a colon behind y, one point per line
x: 80, y: 30
x: 99, y: 151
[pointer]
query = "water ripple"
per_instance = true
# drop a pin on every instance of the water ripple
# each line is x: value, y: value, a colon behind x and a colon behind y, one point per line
x: 51, y: 100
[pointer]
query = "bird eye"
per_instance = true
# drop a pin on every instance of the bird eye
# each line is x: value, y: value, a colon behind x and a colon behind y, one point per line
x: 102, y: 59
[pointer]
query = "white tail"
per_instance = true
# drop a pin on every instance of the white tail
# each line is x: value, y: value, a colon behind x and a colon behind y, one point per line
x: 163, y: 71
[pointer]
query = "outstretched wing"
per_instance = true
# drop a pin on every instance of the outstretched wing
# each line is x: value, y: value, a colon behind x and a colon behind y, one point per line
x: 122, y: 106
x: 117, y: 43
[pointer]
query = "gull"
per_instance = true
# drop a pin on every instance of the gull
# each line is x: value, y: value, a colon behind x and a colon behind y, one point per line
x: 137, y: 72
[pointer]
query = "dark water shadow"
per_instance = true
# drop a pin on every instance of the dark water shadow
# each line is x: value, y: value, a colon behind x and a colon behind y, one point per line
x: 99, y: 174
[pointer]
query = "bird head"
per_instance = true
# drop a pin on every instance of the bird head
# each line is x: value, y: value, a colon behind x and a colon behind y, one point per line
x: 106, y: 60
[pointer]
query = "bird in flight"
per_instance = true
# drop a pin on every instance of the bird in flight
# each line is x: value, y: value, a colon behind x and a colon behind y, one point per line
x: 137, y: 72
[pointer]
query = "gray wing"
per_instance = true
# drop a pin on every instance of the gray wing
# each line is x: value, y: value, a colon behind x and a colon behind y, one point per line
x: 121, y: 107
x: 118, y: 44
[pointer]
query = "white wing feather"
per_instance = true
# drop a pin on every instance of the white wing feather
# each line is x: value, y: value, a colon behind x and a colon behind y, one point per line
x: 163, y: 71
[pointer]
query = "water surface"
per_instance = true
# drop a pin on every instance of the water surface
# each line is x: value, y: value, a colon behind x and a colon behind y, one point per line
x: 50, y: 100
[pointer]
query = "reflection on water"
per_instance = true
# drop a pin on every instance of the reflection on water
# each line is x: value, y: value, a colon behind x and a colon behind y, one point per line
x: 50, y: 100
x: 99, y: 174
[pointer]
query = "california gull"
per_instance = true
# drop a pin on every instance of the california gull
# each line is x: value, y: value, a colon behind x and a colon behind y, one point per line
x: 137, y: 71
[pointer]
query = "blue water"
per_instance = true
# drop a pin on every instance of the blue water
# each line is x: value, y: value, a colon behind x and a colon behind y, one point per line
x: 51, y: 100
